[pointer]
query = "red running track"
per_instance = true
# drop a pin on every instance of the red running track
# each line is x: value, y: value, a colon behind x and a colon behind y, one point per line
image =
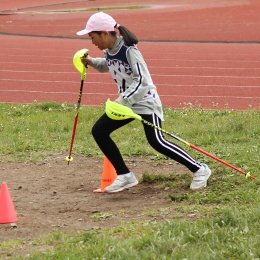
x: 205, y: 72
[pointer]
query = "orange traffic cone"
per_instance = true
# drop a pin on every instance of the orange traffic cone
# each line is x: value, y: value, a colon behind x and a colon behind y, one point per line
x: 7, y: 211
x: 108, y: 175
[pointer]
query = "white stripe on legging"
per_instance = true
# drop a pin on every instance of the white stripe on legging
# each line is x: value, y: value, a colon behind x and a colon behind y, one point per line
x: 171, y: 146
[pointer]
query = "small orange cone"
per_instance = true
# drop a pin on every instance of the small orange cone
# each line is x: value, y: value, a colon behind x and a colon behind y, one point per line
x: 7, y: 211
x: 108, y: 175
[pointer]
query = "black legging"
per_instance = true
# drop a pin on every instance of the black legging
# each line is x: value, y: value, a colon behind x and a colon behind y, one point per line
x: 105, y: 126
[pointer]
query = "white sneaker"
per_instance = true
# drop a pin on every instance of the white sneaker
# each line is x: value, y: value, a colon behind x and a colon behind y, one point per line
x: 122, y: 182
x: 200, y: 177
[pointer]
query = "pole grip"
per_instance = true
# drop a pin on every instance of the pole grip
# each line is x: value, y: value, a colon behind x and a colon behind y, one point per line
x: 80, y: 93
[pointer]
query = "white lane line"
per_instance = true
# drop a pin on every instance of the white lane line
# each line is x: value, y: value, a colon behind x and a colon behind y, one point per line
x: 150, y: 66
x: 147, y: 59
x: 102, y: 93
x: 154, y: 75
x: 57, y: 81
x: 112, y: 83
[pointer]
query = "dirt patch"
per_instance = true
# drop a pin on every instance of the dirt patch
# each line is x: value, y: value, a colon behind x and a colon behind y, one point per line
x: 49, y: 195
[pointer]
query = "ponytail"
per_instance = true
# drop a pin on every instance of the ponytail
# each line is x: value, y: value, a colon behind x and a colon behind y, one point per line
x: 130, y: 38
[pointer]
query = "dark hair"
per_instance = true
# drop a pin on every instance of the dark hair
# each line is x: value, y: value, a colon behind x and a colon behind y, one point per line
x: 130, y: 38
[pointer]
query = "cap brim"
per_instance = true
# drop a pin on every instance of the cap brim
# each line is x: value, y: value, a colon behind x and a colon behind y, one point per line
x: 83, y: 32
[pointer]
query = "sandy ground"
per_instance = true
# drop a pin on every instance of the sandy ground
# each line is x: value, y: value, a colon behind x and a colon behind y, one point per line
x: 49, y: 195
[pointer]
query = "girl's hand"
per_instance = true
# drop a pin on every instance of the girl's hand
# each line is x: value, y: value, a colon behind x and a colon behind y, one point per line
x: 86, y: 59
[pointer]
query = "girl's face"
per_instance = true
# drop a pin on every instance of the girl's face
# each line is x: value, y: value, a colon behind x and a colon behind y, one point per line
x: 99, y: 39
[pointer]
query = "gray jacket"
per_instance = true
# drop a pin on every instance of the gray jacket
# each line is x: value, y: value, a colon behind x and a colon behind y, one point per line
x: 129, y: 70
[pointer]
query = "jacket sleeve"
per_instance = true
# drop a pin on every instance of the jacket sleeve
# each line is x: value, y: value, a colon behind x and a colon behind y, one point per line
x: 99, y: 64
x: 142, y: 81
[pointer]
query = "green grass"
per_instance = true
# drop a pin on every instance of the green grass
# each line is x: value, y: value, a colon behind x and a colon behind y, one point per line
x: 225, y: 222
x: 31, y: 132
x: 229, y: 234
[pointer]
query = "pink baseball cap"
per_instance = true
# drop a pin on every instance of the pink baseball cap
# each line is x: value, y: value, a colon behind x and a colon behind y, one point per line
x: 99, y: 22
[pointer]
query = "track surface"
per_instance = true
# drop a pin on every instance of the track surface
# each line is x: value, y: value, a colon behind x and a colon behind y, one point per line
x: 203, y: 54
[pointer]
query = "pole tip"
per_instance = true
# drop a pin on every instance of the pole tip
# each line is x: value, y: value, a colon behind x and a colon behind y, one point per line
x: 248, y: 175
x: 69, y: 159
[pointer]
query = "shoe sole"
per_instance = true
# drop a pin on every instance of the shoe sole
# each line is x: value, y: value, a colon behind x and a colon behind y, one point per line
x: 202, y: 186
x: 123, y: 188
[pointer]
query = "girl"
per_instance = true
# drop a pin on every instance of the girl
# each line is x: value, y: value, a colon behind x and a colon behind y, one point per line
x: 136, y: 90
